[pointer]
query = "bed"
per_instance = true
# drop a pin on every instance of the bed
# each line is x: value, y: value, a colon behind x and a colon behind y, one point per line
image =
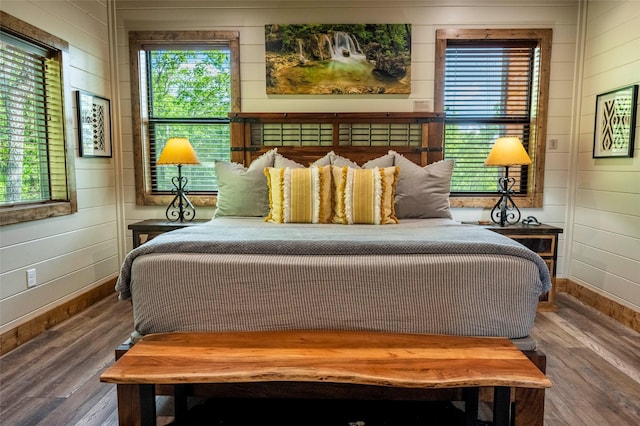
x: 431, y: 276
x: 395, y: 261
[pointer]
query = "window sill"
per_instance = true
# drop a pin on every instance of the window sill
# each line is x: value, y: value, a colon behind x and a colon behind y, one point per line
x: 164, y: 200
x: 30, y: 212
x: 522, y: 201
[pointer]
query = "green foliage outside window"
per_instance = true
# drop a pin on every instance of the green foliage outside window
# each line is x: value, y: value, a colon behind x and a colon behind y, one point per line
x: 189, y: 96
x: 469, y: 145
x: 24, y: 139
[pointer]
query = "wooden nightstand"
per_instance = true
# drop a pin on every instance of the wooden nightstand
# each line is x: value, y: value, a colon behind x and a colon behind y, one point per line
x: 154, y: 227
x: 542, y: 239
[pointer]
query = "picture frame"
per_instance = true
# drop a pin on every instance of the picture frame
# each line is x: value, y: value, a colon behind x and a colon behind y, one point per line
x: 338, y: 59
x: 94, y: 125
x: 615, y: 123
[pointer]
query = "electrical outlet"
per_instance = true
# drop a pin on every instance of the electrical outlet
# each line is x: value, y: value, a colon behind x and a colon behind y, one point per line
x: 553, y: 143
x: 31, y: 278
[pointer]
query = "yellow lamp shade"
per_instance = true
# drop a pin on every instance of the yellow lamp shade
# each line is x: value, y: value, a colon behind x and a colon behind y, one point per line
x: 178, y: 151
x: 507, y: 151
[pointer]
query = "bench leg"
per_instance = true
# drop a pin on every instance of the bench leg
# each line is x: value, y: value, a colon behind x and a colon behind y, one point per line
x: 147, y: 405
x: 502, y: 406
x: 180, y: 404
x: 530, y: 402
x: 128, y: 405
x: 471, y: 406
x: 136, y: 405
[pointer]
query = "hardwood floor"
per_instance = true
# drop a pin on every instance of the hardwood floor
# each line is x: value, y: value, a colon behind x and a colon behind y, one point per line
x: 592, y: 361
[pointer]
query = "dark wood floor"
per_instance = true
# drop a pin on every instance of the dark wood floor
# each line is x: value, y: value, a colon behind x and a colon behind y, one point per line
x: 593, y: 363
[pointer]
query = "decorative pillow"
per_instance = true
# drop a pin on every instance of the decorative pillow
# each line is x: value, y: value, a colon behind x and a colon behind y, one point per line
x: 340, y: 161
x: 331, y: 158
x: 364, y: 195
x: 422, y: 192
x: 301, y: 195
x: 325, y: 160
x: 386, y: 160
x: 282, y: 161
x: 243, y: 191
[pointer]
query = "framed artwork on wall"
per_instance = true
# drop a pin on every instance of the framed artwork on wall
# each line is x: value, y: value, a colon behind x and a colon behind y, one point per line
x: 338, y: 59
x: 615, y: 123
x: 94, y: 125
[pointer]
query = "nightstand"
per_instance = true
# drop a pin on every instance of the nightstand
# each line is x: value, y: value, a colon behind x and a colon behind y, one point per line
x: 154, y: 227
x: 542, y: 239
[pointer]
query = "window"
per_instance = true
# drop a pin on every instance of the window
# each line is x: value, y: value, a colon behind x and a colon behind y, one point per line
x: 185, y: 87
x: 34, y: 172
x: 493, y: 83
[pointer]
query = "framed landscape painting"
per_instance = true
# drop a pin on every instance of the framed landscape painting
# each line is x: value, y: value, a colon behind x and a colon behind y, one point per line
x: 362, y: 59
x: 615, y: 123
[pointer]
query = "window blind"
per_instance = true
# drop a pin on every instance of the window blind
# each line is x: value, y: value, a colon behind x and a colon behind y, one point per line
x: 32, y: 153
x: 188, y: 95
x: 210, y: 140
x: 488, y: 94
x: 55, y: 130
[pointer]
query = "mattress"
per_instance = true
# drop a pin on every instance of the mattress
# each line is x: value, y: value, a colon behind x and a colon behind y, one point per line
x: 420, y: 276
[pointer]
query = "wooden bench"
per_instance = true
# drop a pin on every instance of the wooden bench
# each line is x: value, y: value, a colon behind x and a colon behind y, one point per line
x: 391, y: 362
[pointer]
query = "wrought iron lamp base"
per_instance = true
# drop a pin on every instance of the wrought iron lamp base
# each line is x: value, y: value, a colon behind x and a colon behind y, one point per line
x: 505, y: 212
x: 180, y: 209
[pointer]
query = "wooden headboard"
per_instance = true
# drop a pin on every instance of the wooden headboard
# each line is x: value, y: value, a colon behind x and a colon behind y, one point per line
x: 362, y: 136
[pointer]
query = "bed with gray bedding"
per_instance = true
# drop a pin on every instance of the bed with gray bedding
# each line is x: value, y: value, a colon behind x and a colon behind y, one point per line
x: 418, y: 276
x: 425, y: 274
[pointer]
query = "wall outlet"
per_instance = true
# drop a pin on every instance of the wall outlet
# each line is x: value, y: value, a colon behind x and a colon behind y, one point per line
x: 31, y: 278
x: 553, y: 143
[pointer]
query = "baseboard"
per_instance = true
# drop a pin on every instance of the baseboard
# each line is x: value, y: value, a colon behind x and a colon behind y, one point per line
x: 27, y: 331
x: 561, y: 285
x: 621, y: 313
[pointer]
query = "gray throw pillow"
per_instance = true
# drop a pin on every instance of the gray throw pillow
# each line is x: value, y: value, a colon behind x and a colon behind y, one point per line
x: 331, y: 158
x: 340, y: 161
x: 386, y: 160
x: 325, y: 160
x: 243, y: 191
x: 422, y: 192
x: 281, y: 161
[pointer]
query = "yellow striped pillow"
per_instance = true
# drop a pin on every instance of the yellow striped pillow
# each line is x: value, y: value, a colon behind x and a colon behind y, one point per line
x: 364, y: 195
x: 299, y: 195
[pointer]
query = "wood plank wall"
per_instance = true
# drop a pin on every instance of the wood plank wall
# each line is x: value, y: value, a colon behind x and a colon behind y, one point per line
x: 606, y: 212
x: 76, y: 252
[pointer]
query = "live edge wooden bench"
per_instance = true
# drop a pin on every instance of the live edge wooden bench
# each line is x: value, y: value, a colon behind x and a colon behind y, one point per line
x: 385, y: 361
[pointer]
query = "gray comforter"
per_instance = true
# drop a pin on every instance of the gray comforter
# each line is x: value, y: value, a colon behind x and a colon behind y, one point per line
x: 252, y: 236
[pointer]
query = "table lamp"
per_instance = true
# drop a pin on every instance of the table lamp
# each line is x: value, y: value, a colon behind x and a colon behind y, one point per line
x: 507, y: 151
x: 179, y: 151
